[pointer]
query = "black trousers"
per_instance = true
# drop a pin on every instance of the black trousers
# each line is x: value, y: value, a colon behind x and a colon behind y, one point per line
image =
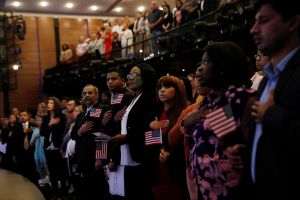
x: 58, y: 173
x: 93, y: 185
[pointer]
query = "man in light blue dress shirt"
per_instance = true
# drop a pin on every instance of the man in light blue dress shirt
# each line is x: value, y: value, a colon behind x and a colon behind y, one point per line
x: 276, y: 133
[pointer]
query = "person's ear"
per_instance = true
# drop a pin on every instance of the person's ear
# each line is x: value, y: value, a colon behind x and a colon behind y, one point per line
x: 294, y: 23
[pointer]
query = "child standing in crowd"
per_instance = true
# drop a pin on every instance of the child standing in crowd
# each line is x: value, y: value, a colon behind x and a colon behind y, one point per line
x: 39, y: 155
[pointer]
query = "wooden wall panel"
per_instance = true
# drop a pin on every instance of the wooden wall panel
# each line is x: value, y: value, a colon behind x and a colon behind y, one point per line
x: 26, y: 93
x: 71, y: 29
x: 94, y: 25
x: 38, y: 54
x: 46, y: 42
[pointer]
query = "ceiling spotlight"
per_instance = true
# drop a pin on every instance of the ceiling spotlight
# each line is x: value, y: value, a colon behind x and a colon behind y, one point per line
x: 141, y: 8
x: 16, y: 66
x: 69, y: 5
x: 16, y: 3
x: 44, y: 3
x: 118, y: 9
x: 183, y: 70
x: 93, y: 7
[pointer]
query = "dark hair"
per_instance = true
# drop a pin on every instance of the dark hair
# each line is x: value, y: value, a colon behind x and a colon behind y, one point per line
x: 188, y: 88
x: 65, y: 46
x: 287, y: 8
x: 40, y: 116
x: 178, y: 84
x: 169, y: 8
x: 65, y: 98
x: 180, y: 4
x: 56, y: 103
x: 184, y: 17
x: 118, y: 70
x: 16, y: 117
x: 148, y: 76
x: 26, y: 111
x: 77, y: 102
x: 115, y: 34
x: 144, y: 14
x: 230, y: 63
x: 180, y: 99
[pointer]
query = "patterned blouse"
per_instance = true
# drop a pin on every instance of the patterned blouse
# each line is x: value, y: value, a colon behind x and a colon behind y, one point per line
x: 211, y: 169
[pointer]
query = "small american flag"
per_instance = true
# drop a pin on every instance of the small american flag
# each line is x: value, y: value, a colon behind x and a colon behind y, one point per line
x: 222, y: 121
x: 153, y: 137
x: 95, y: 112
x: 117, y: 98
x: 101, y: 149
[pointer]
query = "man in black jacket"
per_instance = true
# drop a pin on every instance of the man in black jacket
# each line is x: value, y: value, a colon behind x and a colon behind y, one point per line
x: 275, y: 132
x: 93, y: 182
x: 121, y: 97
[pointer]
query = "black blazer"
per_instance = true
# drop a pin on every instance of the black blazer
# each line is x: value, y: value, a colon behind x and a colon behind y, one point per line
x: 15, y: 143
x: 138, y: 122
x: 112, y: 128
x: 85, y: 145
x: 276, y: 167
x: 57, y: 130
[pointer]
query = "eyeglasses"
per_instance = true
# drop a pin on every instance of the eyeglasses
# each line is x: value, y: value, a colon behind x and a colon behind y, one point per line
x: 132, y: 75
x: 258, y: 56
x: 205, y: 61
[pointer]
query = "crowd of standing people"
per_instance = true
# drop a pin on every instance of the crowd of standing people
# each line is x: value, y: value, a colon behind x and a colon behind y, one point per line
x: 115, y: 38
x: 234, y: 143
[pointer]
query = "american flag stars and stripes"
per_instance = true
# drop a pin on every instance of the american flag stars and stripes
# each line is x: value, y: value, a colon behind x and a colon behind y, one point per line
x: 117, y: 99
x: 101, y: 149
x: 153, y: 137
x: 95, y: 112
x: 222, y: 121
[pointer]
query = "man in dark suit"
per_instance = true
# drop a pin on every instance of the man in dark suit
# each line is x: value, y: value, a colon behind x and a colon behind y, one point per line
x: 275, y: 134
x: 93, y: 182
